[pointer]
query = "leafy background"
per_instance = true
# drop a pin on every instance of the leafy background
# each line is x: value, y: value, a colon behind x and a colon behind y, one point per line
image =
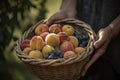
x: 16, y: 16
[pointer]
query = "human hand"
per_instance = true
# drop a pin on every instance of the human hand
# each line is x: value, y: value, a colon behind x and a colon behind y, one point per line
x: 61, y: 15
x: 67, y: 10
x: 104, y: 38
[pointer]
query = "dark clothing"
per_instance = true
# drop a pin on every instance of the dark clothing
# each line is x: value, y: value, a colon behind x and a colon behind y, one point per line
x: 99, y: 14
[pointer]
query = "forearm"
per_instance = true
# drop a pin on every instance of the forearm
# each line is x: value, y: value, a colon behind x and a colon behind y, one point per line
x: 115, y: 27
x: 68, y: 5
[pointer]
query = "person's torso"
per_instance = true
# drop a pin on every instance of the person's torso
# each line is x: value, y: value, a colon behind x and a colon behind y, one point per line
x: 99, y: 14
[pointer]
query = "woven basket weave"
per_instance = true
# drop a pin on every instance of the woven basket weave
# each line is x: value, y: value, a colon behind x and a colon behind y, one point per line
x: 58, y: 69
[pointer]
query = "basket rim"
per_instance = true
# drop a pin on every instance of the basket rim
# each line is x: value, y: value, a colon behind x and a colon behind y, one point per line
x: 61, y: 61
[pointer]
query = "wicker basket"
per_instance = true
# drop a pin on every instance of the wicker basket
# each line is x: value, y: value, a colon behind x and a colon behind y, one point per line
x: 58, y: 69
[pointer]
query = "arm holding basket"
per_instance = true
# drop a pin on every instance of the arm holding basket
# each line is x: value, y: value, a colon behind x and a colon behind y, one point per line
x: 104, y: 38
x: 67, y: 10
x: 105, y: 35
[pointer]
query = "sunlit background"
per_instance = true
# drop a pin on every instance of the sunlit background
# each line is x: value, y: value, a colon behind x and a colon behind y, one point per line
x: 16, y: 16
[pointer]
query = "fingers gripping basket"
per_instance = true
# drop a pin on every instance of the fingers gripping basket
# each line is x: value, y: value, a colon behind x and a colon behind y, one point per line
x: 58, y: 69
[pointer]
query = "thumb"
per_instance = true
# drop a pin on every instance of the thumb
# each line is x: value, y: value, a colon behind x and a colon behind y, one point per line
x: 100, y: 40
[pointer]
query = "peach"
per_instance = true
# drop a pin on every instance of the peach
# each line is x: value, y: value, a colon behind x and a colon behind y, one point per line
x: 36, y: 42
x: 27, y: 50
x: 52, y: 39
x: 36, y: 54
x: 68, y: 29
x: 66, y: 46
x: 69, y: 54
x: 79, y: 50
x: 43, y: 35
x: 74, y: 41
x: 41, y: 28
x: 46, y: 49
x: 55, y: 28
x: 63, y: 36
x: 25, y: 43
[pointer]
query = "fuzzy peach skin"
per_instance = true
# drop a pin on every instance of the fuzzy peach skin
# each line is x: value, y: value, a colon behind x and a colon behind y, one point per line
x: 62, y: 36
x: 41, y: 28
x: 25, y: 43
x: 52, y: 39
x: 43, y: 35
x: 36, y: 43
x: 79, y: 50
x: 55, y: 28
x: 74, y: 41
x: 68, y: 29
x: 36, y: 54
x: 46, y: 49
x: 66, y: 46
x: 69, y: 54
x: 27, y: 50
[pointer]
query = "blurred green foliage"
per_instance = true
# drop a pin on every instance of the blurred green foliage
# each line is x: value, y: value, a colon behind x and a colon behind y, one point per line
x: 15, y: 18
x: 12, y: 12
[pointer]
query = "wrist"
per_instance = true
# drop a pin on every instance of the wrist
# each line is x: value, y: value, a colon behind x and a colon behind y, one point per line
x: 68, y: 7
x: 110, y: 31
x: 114, y: 26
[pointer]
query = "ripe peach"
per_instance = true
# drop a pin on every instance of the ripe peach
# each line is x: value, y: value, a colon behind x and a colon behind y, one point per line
x: 66, y: 46
x: 79, y: 50
x: 68, y: 29
x: 25, y: 43
x: 69, y: 54
x: 36, y: 42
x: 55, y: 28
x: 43, y: 35
x: 27, y: 50
x: 36, y: 54
x: 74, y: 41
x: 41, y: 28
x: 63, y: 36
x: 52, y: 39
x: 46, y: 49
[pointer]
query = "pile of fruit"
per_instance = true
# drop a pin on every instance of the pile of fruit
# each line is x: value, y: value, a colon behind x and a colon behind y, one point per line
x: 55, y: 41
